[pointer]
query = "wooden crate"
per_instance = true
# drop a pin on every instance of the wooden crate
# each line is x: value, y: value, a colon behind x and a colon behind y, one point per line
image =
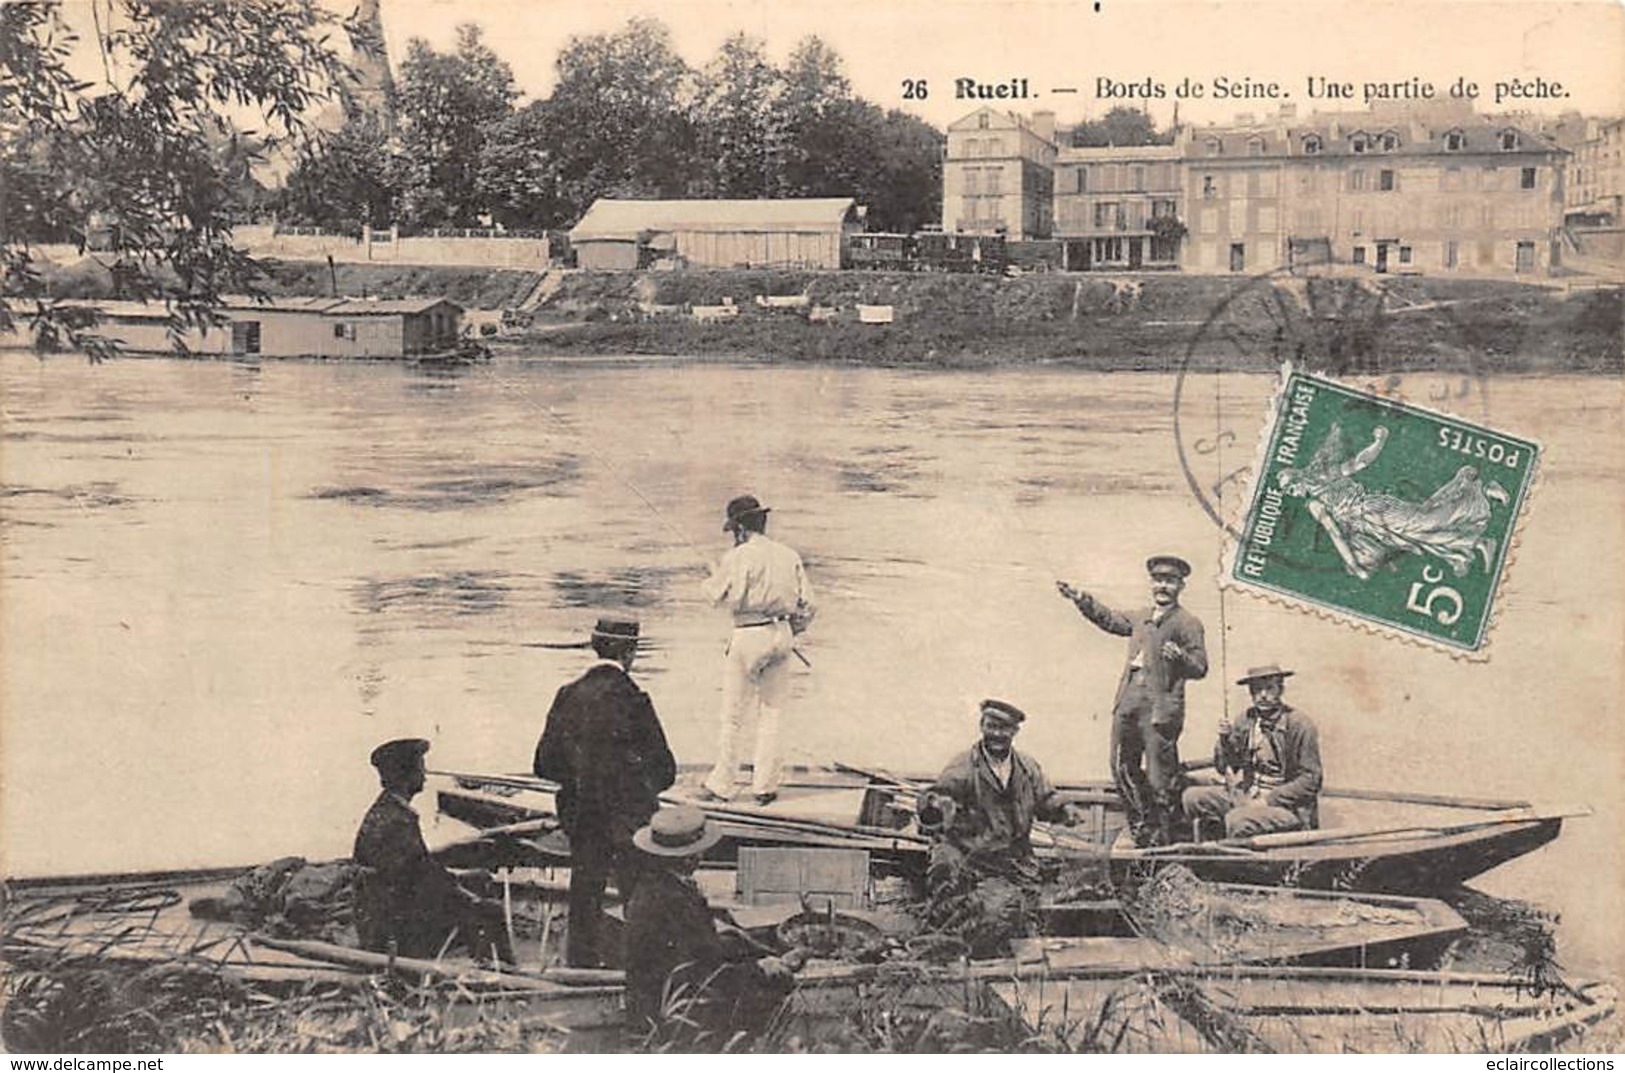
x: 821, y: 877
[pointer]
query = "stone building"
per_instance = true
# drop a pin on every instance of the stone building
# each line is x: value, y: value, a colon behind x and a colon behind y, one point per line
x: 1119, y: 208
x: 998, y: 175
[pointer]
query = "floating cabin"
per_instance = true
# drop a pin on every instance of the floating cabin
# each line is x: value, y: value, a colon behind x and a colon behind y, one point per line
x: 764, y: 233
x: 296, y: 327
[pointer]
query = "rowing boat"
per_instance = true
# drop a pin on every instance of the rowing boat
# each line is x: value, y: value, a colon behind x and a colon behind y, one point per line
x: 1377, y: 841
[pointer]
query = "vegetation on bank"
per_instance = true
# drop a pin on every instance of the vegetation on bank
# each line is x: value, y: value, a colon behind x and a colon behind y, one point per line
x: 1352, y: 326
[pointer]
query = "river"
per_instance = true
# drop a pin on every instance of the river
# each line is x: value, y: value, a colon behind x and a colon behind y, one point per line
x: 224, y: 583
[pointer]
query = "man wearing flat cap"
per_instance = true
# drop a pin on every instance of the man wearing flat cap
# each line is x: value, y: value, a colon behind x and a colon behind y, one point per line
x: 764, y: 586
x: 714, y: 980
x: 981, y: 812
x: 406, y: 904
x: 604, y: 746
x: 1166, y: 649
x: 1270, y: 761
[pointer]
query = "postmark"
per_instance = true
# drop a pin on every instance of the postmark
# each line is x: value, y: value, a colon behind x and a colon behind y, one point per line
x: 1381, y: 512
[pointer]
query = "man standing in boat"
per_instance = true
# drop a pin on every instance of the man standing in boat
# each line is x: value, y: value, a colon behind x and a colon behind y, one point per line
x: 1166, y: 649
x: 981, y: 811
x: 764, y: 586
x: 406, y: 904
x: 604, y: 746
x: 1270, y: 761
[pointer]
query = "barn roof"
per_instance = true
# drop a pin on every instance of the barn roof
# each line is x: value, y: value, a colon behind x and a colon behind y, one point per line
x: 628, y: 220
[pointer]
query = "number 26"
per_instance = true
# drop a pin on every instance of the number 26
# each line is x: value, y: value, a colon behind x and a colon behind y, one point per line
x: 1447, y: 616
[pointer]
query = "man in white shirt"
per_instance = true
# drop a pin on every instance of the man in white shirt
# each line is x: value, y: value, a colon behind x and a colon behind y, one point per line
x: 764, y: 585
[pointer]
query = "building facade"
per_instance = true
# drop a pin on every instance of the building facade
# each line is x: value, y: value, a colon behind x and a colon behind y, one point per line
x: 294, y: 327
x: 1119, y: 208
x: 617, y: 234
x: 1597, y: 175
x: 998, y: 175
x: 1437, y: 191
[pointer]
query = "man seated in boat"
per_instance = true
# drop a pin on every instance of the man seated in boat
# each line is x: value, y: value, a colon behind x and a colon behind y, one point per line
x: 407, y: 904
x: 690, y: 981
x: 1270, y: 762
x: 982, y: 874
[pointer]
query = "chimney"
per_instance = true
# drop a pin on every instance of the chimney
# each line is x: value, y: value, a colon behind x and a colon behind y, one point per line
x: 1245, y: 119
x: 1044, y: 125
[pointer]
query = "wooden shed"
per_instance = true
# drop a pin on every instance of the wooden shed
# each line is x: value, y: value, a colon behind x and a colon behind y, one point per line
x: 765, y: 233
x: 296, y: 327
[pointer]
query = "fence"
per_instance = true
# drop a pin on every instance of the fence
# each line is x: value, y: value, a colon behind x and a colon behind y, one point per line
x: 470, y: 247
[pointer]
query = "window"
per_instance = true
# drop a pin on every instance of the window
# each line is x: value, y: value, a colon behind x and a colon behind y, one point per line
x: 1105, y: 213
x: 1238, y: 257
x: 993, y: 181
x: 1454, y: 141
x: 995, y: 147
x: 1312, y: 145
x: 1358, y: 143
x: 972, y: 181
x: 981, y: 121
x: 1356, y: 222
x: 1210, y: 189
x: 1359, y: 255
x: 1490, y: 179
x: 1255, y: 146
x: 1404, y: 255
x: 1385, y: 179
x: 1452, y: 254
x: 1357, y: 179
x: 1307, y: 221
x: 1109, y: 178
x: 1524, y: 258
x: 338, y: 331
x: 1083, y: 180
x: 1389, y: 141
x: 1137, y: 177
x: 1162, y: 207
x: 245, y: 337
x: 1509, y: 140
x: 1526, y: 181
x: 1215, y: 147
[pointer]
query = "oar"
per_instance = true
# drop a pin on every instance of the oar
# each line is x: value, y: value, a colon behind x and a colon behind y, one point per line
x: 1310, y: 838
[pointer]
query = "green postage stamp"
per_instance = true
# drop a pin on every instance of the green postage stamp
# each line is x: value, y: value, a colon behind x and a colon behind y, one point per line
x: 1381, y: 512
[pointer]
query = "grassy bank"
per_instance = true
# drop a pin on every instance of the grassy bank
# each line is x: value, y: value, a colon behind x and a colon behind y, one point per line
x: 1410, y: 323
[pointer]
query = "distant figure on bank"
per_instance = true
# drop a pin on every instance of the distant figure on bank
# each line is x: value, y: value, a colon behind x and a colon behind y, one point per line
x: 982, y: 875
x: 690, y: 980
x: 764, y: 585
x: 604, y: 746
x: 1166, y: 649
x: 1270, y: 761
x: 407, y: 904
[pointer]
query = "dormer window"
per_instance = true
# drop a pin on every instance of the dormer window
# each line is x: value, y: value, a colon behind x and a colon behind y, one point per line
x: 1359, y: 143
x: 1509, y: 140
x: 1389, y: 141
x: 1215, y: 147
x: 1312, y: 145
x: 981, y: 121
x: 1454, y: 141
x: 1255, y: 146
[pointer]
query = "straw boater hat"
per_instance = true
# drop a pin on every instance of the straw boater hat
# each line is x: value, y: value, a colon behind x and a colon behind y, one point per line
x: 1167, y: 564
x: 1268, y: 670
x: 679, y: 831
x: 741, y: 507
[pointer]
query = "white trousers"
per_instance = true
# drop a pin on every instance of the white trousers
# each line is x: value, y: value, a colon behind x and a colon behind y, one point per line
x: 755, y: 681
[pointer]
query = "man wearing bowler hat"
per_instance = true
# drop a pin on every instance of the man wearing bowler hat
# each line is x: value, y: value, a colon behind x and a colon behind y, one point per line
x: 1270, y: 761
x: 407, y: 904
x: 764, y: 586
x: 604, y: 746
x: 711, y: 980
x: 1165, y: 650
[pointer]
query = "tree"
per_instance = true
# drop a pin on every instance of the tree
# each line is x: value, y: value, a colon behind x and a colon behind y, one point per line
x: 149, y: 156
x: 519, y: 171
x: 814, y: 111
x: 737, y: 119
x: 1120, y: 126
x: 346, y: 180
x: 447, y: 105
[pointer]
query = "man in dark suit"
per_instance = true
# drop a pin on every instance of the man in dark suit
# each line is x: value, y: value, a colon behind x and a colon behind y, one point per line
x: 1166, y: 649
x: 406, y: 903
x: 604, y: 746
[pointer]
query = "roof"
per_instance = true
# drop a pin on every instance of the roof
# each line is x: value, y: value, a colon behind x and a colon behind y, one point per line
x: 1118, y: 154
x: 361, y: 307
x: 321, y: 305
x: 1414, y: 136
x: 628, y: 220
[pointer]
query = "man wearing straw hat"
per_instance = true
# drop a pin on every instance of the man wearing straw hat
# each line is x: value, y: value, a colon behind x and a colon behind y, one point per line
x: 1270, y: 761
x: 407, y: 904
x: 684, y: 972
x: 764, y: 585
x: 1166, y: 649
x: 604, y: 746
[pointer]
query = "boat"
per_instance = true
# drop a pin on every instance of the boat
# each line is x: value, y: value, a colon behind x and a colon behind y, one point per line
x: 1248, y: 977
x: 1371, y: 841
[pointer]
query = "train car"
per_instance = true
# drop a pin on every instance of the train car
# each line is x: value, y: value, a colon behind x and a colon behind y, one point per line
x: 881, y: 250
x: 938, y: 251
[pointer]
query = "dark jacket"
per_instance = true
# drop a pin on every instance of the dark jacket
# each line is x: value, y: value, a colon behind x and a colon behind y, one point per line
x: 992, y: 824
x: 402, y: 894
x: 1297, y: 745
x: 673, y: 948
x: 604, y: 746
x: 1164, y: 678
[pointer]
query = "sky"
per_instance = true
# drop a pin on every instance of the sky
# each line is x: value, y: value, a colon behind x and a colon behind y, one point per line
x: 1060, y: 44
